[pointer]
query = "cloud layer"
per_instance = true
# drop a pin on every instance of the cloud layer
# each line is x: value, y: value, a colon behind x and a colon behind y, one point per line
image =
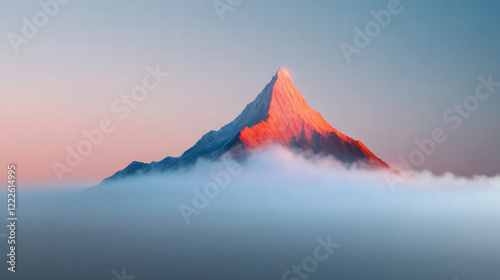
x: 260, y: 218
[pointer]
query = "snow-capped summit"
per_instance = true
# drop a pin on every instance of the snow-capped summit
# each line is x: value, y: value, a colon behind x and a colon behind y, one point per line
x: 279, y: 115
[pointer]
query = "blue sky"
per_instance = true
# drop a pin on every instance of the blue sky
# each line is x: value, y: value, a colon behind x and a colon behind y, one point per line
x: 395, y: 91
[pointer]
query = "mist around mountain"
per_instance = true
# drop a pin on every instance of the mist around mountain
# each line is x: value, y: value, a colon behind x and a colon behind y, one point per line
x: 260, y: 218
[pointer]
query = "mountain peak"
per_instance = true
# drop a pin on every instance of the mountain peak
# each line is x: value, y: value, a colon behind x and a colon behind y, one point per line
x: 283, y: 93
x: 282, y: 77
x: 289, y: 118
x: 283, y: 72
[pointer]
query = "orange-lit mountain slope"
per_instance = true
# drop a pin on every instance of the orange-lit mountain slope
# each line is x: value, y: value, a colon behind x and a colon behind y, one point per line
x: 291, y: 122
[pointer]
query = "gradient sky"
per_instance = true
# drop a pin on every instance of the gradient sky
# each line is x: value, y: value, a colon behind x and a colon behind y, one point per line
x: 395, y: 91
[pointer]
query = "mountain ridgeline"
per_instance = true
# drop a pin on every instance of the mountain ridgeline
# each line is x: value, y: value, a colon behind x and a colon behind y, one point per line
x: 280, y: 116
